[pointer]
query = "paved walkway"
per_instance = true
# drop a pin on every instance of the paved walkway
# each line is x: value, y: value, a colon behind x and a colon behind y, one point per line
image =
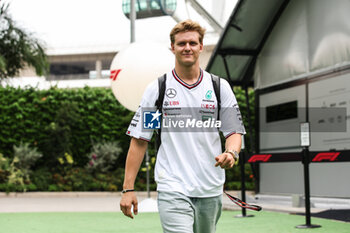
x: 109, y: 202
x: 63, y: 201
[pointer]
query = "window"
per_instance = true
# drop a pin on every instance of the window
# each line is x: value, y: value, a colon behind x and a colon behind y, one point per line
x: 150, y: 8
x: 282, y: 111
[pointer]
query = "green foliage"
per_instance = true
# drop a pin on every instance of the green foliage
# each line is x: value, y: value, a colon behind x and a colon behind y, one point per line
x: 78, y: 179
x: 7, y: 187
x: 64, y: 124
x: 42, y: 178
x: 59, y: 121
x: 236, y: 185
x: 73, y: 179
x: 233, y: 178
x: 2, y: 64
x: 241, y: 99
x: 4, y: 168
x: 18, y: 48
x: 17, y: 172
x: 103, y: 156
x: 26, y: 156
x: 16, y: 175
x: 59, y: 133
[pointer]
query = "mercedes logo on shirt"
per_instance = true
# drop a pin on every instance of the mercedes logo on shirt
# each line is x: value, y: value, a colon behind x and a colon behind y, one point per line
x: 170, y: 92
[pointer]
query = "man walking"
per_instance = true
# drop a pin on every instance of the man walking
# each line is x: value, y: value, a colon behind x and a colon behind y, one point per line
x: 190, y: 165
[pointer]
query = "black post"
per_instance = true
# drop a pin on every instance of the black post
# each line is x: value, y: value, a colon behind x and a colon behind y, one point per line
x: 243, y: 155
x: 244, y: 211
x: 307, y: 185
x: 241, y: 163
x: 147, y: 175
x: 305, y: 143
x: 306, y: 162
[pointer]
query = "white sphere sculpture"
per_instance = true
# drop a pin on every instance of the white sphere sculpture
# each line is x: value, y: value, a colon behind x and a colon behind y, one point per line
x: 134, y: 67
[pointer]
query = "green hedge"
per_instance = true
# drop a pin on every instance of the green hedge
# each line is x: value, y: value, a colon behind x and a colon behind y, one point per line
x: 28, y: 115
x: 241, y: 99
x: 61, y: 119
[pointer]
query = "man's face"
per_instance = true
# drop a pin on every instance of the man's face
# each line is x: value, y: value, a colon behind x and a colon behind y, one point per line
x: 187, y: 48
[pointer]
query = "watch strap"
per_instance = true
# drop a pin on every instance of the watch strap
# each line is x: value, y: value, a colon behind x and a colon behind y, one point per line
x: 234, y: 154
x: 128, y: 190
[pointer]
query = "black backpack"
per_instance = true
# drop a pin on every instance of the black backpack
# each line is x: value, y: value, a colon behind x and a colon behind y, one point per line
x: 161, y: 90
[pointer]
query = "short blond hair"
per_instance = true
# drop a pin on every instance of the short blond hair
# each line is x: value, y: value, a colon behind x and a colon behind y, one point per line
x: 185, y: 26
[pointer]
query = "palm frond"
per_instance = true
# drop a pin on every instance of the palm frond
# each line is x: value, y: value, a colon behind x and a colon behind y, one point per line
x: 19, y: 48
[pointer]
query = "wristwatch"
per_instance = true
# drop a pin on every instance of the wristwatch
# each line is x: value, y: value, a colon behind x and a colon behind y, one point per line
x: 234, y: 154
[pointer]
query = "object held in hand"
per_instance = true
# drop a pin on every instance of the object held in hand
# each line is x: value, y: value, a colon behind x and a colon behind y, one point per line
x: 243, y: 204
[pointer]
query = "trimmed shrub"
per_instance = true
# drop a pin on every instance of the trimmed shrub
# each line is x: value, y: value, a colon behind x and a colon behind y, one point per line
x: 103, y: 156
x: 59, y: 121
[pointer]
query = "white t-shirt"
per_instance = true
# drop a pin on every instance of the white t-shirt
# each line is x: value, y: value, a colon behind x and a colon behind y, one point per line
x: 186, y: 157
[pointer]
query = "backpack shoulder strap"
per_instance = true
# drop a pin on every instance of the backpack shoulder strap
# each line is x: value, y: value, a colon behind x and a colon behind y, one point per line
x: 159, y: 103
x: 161, y: 92
x: 216, y: 84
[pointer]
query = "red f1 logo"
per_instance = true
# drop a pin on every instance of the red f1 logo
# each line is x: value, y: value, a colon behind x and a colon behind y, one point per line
x: 261, y: 158
x: 330, y: 156
x: 114, y: 74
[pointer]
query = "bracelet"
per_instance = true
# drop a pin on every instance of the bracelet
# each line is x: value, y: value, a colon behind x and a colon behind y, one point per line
x: 234, y: 154
x: 128, y: 190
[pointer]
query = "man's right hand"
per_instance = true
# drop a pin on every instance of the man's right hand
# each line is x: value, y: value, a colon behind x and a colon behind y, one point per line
x: 128, y: 200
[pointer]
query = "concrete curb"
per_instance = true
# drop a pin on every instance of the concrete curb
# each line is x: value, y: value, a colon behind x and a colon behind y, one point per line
x: 68, y: 194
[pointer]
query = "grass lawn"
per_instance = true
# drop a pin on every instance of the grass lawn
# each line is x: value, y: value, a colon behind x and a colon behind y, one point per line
x: 263, y: 222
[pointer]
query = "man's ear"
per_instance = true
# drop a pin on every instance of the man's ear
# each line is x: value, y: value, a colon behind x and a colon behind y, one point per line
x: 201, y: 47
x: 172, y: 48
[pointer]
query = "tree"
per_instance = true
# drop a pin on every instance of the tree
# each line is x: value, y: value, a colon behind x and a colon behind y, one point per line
x: 18, y: 48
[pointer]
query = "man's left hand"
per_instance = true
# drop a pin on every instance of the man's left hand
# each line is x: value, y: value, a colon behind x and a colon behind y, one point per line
x: 225, y: 161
